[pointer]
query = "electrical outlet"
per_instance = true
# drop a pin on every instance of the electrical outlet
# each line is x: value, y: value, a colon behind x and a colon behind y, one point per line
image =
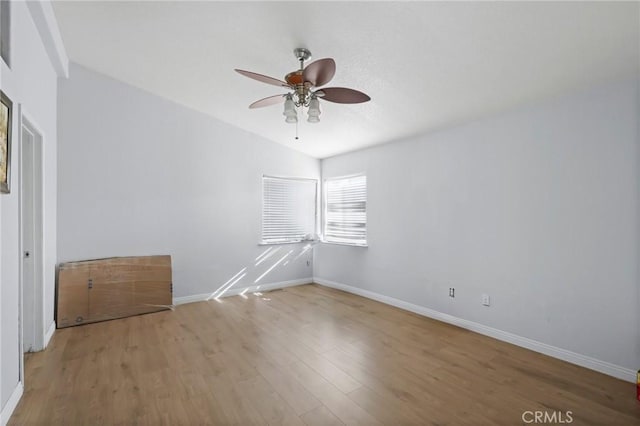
x: 486, y: 300
x: 452, y: 292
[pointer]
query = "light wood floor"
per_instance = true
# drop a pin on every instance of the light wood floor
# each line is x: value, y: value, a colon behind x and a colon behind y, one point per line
x: 303, y: 355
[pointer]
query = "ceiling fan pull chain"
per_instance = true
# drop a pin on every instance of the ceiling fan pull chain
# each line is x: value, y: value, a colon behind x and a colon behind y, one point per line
x: 297, y: 125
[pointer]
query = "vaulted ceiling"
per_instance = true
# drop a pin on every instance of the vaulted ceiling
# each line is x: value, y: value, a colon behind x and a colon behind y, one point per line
x: 426, y: 65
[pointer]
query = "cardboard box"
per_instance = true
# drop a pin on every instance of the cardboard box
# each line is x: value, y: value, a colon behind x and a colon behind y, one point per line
x: 117, y: 287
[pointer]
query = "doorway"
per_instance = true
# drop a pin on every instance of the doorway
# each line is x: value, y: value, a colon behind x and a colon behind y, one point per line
x: 31, y: 237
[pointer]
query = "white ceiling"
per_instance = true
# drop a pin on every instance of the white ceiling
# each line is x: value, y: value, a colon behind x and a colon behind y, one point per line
x: 425, y: 65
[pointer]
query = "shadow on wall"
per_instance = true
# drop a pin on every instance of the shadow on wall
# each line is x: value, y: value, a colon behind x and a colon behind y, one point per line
x: 270, y: 259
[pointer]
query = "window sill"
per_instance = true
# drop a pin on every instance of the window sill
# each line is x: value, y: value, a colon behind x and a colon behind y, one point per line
x: 344, y: 244
x: 280, y: 243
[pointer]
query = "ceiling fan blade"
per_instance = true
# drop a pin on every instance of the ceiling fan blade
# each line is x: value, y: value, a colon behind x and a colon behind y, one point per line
x: 342, y: 95
x: 271, y: 100
x: 263, y: 78
x: 320, y: 72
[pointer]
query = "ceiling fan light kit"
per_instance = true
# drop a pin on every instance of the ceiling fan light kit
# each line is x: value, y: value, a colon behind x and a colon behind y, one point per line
x: 314, y: 110
x: 290, y: 112
x: 304, y: 84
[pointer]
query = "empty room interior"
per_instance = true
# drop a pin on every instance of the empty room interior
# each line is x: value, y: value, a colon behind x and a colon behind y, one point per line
x: 319, y: 213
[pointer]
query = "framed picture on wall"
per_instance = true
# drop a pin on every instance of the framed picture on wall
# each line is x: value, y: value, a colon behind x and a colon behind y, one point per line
x: 5, y: 142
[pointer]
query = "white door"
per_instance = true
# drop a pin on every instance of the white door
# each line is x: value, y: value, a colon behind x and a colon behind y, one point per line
x: 31, y: 237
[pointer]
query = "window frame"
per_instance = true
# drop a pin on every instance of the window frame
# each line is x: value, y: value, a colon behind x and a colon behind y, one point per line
x: 262, y: 242
x: 325, y: 206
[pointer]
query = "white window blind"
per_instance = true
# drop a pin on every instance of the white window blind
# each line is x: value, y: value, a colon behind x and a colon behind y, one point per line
x: 346, y: 210
x: 288, y: 209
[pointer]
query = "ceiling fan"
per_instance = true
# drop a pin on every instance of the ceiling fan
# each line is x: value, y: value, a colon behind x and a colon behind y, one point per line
x: 304, y: 84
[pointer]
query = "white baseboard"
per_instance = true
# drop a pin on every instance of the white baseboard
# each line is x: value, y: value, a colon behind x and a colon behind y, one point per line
x: 553, y: 351
x: 49, y: 334
x: 235, y: 291
x: 11, y: 404
x: 190, y: 299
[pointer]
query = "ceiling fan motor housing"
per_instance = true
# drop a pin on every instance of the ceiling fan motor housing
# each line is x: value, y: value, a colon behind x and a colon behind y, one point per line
x: 302, y: 54
x: 296, y: 78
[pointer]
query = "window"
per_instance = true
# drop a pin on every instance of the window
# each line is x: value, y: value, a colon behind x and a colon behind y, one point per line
x: 288, y: 209
x: 5, y: 30
x: 345, y: 218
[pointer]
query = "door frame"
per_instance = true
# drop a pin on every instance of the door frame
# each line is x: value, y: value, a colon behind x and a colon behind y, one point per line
x: 25, y: 122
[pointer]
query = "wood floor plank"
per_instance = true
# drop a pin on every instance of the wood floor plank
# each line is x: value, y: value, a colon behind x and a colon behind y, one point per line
x: 273, y: 408
x: 284, y: 383
x: 304, y: 355
x: 321, y: 416
x: 335, y: 400
x: 235, y: 407
x: 390, y: 410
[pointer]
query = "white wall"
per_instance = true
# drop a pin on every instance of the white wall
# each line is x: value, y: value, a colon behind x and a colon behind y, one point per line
x: 32, y: 82
x: 140, y: 175
x: 538, y: 207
